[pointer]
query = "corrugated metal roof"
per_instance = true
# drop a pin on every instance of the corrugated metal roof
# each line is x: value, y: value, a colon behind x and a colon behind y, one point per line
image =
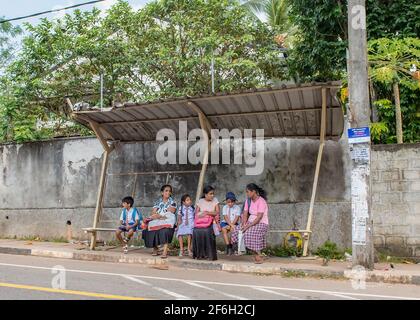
x: 288, y: 111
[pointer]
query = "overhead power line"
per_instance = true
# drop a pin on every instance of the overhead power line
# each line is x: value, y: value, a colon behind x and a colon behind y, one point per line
x: 51, y: 11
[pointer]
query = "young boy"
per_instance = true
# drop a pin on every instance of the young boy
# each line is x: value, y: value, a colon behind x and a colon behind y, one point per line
x: 231, y: 213
x: 130, y: 220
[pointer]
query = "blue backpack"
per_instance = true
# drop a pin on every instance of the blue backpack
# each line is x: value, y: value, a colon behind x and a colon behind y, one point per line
x: 133, y: 216
x: 248, y: 200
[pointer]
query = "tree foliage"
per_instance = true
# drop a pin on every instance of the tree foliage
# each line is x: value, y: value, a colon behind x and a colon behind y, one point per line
x: 391, y: 61
x: 319, y: 52
x: 162, y: 50
x: 275, y: 11
x: 7, y: 47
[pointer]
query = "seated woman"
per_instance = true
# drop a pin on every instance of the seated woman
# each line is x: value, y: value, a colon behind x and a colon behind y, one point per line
x: 204, y: 240
x: 254, y: 221
x: 160, y: 228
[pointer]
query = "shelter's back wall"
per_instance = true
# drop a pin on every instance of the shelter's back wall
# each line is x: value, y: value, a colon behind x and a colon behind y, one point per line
x: 44, y: 184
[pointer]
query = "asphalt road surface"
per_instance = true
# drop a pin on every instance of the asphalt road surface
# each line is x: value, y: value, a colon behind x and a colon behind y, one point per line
x: 26, y: 277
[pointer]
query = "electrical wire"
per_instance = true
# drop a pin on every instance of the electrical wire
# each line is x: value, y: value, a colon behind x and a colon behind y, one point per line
x: 51, y: 11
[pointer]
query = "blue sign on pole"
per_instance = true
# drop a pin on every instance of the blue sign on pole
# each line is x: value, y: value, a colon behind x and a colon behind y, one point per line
x: 358, y: 135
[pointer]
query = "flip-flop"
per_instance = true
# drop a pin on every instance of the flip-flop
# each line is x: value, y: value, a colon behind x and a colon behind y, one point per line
x: 258, y: 261
x: 164, y: 257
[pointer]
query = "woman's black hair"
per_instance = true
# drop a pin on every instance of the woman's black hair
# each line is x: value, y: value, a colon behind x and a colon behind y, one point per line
x: 128, y: 200
x: 260, y: 191
x: 206, y: 190
x: 184, y: 197
x: 166, y: 186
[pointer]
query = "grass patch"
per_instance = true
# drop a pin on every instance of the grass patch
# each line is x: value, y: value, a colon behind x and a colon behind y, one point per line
x: 330, y: 251
x: 385, y: 257
x: 282, y: 251
x: 37, y: 238
x: 293, y: 274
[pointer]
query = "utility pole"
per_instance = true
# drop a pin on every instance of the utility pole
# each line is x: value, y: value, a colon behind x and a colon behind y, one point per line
x: 359, y: 136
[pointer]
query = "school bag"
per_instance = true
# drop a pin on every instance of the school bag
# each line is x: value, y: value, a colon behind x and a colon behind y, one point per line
x: 249, y: 204
x: 182, y: 215
x: 133, y: 216
x: 248, y: 200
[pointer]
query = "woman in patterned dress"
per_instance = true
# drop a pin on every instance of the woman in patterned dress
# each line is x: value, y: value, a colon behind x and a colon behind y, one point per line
x: 160, y: 229
x: 254, y: 221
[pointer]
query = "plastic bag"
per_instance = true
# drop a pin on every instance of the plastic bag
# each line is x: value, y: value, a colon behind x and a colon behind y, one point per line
x: 241, y: 242
x: 216, y: 229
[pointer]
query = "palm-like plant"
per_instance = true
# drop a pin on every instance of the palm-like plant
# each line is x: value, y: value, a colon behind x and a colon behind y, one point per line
x: 390, y: 61
x: 275, y: 11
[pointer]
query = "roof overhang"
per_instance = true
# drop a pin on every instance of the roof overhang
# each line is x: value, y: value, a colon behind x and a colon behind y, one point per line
x: 287, y: 111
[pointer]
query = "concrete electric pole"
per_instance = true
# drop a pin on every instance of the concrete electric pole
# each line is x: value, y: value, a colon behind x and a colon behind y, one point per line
x: 359, y: 136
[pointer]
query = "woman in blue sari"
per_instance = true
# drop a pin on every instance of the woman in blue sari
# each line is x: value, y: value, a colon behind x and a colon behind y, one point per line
x: 160, y: 228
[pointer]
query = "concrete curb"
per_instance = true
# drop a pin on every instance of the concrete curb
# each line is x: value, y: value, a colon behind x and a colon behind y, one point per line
x: 371, y: 276
x: 17, y: 251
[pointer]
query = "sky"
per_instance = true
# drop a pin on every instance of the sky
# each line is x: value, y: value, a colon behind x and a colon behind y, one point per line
x: 16, y: 8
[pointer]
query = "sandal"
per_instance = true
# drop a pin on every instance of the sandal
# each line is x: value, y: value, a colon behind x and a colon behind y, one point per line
x: 258, y: 260
x: 164, y: 256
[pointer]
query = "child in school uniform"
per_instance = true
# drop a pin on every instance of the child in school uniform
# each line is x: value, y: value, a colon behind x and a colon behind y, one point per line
x: 185, y: 224
x: 231, y: 213
x: 130, y: 221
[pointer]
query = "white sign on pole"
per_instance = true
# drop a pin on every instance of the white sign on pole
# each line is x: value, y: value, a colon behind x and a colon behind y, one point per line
x: 359, y: 204
x: 359, y: 231
x: 360, y: 153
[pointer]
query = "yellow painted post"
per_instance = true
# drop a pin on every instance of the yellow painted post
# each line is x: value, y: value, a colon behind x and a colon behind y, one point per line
x: 206, y: 127
x: 101, y: 189
x: 306, y: 235
x: 100, y: 198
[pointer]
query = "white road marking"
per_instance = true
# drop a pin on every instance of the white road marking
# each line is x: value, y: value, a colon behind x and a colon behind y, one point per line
x: 215, y: 283
x: 277, y: 293
x: 170, y: 293
x: 342, y: 296
x: 192, y: 283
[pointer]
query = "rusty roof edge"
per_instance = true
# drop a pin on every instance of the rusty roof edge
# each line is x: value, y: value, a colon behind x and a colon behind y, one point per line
x: 198, y: 97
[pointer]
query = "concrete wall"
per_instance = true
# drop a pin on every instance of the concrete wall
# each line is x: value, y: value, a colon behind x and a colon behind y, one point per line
x: 44, y: 184
x: 396, y: 198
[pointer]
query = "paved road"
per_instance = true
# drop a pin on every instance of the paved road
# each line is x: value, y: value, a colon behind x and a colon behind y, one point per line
x: 24, y: 277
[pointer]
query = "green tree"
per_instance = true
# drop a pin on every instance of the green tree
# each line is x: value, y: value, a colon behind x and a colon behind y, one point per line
x: 275, y: 11
x: 162, y: 50
x: 319, y: 51
x: 7, y: 48
x: 7, y: 52
x: 391, y: 61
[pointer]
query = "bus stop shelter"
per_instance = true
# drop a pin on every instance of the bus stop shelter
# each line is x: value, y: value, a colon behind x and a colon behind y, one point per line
x: 293, y: 111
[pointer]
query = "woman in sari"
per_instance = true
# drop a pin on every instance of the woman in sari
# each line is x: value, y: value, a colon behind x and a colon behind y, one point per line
x: 204, y: 239
x: 160, y: 227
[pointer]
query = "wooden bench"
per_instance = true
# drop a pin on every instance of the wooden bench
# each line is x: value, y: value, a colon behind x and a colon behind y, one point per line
x: 94, y: 230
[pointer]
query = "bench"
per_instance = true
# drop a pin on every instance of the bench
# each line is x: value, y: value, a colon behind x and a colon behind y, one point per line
x: 94, y: 230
